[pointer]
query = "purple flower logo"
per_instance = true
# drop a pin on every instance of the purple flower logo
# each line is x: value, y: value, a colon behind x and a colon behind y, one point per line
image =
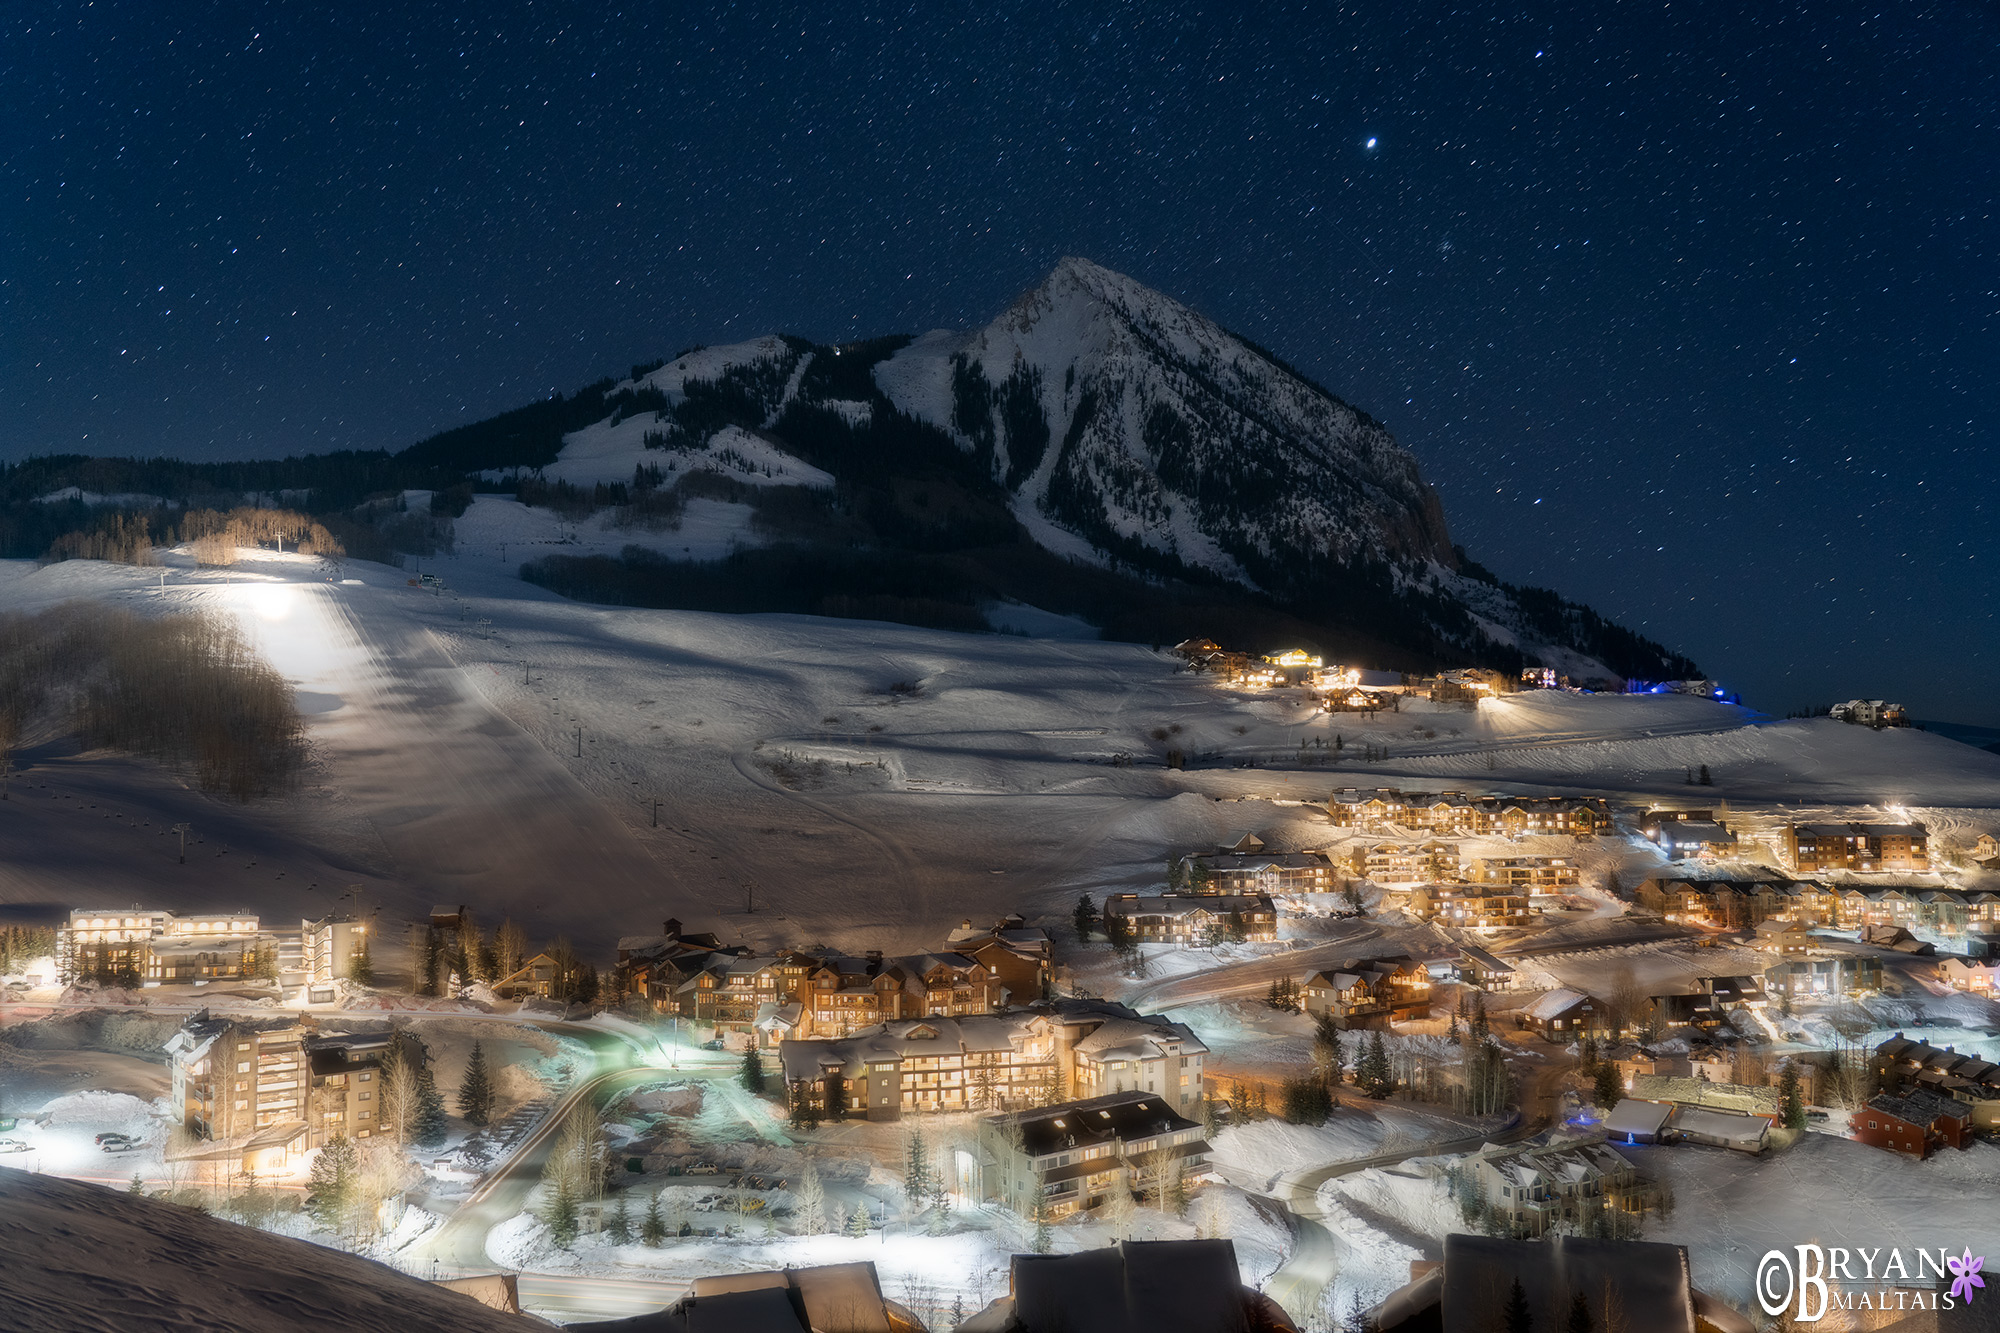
x: 1965, y: 1275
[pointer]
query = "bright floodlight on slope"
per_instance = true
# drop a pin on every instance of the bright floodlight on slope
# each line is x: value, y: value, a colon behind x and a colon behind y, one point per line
x: 272, y: 601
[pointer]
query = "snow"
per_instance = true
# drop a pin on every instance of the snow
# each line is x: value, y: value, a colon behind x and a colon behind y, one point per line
x: 1260, y: 1153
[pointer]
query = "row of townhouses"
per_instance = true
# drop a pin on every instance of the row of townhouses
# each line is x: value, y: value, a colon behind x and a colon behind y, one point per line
x: 1454, y: 812
x: 767, y: 998
x: 1389, y: 864
x: 1747, y: 902
x: 1196, y: 919
x: 1030, y: 1057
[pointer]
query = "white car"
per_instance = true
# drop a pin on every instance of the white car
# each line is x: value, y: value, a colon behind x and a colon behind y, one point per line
x: 13, y: 1145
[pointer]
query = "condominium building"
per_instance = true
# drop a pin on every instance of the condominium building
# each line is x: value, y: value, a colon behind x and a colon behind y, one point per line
x: 1171, y: 918
x: 232, y: 1078
x: 1075, y: 1155
x: 1484, y: 907
x: 1811, y: 848
x: 996, y: 1062
x: 152, y: 945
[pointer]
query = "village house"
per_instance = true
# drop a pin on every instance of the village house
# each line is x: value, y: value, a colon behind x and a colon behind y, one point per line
x: 1194, y: 919
x: 1784, y: 937
x: 1249, y: 873
x: 1567, y: 1015
x: 1019, y: 956
x: 1708, y: 1006
x: 1815, y: 848
x: 1402, y: 863
x: 1394, y: 988
x: 1074, y: 1155
x: 1917, y: 1123
x: 533, y: 979
x: 1478, y: 967
x: 1532, y: 1189
x: 1870, y: 713
x: 1822, y: 975
x: 1966, y: 975
x: 1481, y: 907
x: 1701, y: 839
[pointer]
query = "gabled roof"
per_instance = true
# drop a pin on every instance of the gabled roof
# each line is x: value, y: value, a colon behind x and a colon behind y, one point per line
x: 1557, y: 1003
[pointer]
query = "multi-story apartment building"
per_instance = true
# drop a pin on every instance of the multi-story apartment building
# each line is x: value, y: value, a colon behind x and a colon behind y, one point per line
x: 997, y: 1062
x: 327, y: 947
x: 1813, y: 848
x: 233, y: 1079
x: 152, y: 945
x: 1189, y: 919
x: 1240, y: 875
x: 1019, y: 956
x: 1483, y: 907
x: 1537, y: 874
x: 1402, y: 863
x: 1073, y: 1155
x: 1800, y: 976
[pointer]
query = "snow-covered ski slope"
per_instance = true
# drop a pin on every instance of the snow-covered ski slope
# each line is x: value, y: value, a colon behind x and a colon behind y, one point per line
x: 859, y: 783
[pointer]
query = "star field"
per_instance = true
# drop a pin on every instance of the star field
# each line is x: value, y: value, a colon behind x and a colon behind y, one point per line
x: 1689, y: 310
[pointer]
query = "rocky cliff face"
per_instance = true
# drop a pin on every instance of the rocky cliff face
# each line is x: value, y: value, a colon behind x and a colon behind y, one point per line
x: 1123, y: 420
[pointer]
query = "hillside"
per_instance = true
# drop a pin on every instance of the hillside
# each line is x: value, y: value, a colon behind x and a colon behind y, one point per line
x: 1097, y: 451
x: 82, y: 1258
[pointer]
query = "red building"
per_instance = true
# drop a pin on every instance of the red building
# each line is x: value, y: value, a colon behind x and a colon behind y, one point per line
x: 1917, y: 1124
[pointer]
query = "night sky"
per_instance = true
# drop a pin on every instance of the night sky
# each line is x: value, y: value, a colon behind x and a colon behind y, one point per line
x: 1688, y: 310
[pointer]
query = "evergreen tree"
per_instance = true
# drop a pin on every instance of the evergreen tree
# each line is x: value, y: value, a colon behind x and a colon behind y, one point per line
x: 857, y: 1221
x: 1373, y: 1076
x: 1328, y: 1057
x: 1609, y: 1089
x: 1084, y: 918
x: 1515, y: 1316
x: 433, y: 965
x: 916, y: 1169
x: 475, y: 1090
x: 1705, y: 779
x: 360, y: 968
x: 1790, y: 1102
x: 1579, y: 1316
x: 137, y: 1186
x: 619, y: 1225
x: 430, y: 1122
x: 653, y: 1230
x: 330, y: 1189
x: 1044, y: 1238
x: 1587, y: 1053
x: 559, y: 1212
x: 752, y: 1073
x: 1453, y: 1035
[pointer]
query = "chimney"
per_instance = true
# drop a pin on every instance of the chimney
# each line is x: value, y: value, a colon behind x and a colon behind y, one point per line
x: 671, y: 928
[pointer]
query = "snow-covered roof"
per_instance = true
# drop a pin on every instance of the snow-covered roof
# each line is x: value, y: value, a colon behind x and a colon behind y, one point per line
x: 1555, y: 1004
x: 1634, y: 1115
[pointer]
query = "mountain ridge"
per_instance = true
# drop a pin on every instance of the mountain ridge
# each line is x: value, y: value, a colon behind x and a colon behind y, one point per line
x: 1092, y: 424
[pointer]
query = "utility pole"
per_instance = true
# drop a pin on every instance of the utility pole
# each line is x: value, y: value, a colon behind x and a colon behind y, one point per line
x: 524, y: 673
x: 579, y: 742
x: 656, y: 808
x: 750, y: 895
x: 183, y: 830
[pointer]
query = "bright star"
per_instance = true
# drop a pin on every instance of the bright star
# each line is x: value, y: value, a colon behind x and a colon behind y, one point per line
x: 1371, y: 143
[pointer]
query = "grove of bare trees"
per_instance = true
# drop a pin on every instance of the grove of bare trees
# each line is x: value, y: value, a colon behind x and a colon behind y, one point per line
x: 185, y: 690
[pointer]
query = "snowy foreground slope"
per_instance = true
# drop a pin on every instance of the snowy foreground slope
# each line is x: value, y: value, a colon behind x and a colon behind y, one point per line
x: 81, y: 1258
x: 858, y: 784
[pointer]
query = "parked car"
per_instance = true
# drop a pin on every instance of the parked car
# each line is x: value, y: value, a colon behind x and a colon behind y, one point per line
x: 103, y: 1139
x: 119, y: 1145
x: 12, y: 1145
x: 714, y: 1044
